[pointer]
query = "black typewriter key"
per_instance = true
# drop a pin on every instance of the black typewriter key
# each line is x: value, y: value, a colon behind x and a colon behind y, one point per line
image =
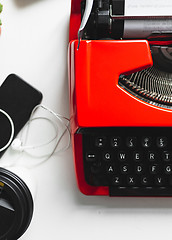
x: 159, y: 181
x: 94, y: 180
x: 122, y: 156
x: 90, y: 157
x: 110, y: 169
x: 137, y: 156
x: 115, y: 142
x: 145, y: 181
x: 100, y: 142
x: 131, y: 142
x: 161, y: 142
x: 146, y: 142
x: 124, y: 169
x: 139, y: 169
x: 167, y: 156
x: 107, y: 156
x: 152, y: 156
x: 116, y: 181
x: 131, y: 181
x: 153, y: 169
x: 96, y: 167
x: 168, y: 169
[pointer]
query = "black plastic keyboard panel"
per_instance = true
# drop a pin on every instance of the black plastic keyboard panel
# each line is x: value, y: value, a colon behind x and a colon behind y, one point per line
x: 132, y: 161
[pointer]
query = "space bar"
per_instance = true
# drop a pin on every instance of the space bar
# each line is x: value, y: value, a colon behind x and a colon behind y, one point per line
x: 140, y: 192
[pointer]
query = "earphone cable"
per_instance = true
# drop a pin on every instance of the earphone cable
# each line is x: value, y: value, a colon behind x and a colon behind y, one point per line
x: 61, y: 119
x: 12, y: 129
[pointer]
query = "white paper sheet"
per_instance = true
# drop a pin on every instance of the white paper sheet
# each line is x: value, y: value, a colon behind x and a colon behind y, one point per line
x: 148, y: 7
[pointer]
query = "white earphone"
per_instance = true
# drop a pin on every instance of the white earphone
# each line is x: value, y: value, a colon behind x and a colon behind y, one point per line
x: 17, y: 144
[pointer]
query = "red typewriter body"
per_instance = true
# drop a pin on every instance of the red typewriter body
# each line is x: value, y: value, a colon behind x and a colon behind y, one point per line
x: 113, y: 122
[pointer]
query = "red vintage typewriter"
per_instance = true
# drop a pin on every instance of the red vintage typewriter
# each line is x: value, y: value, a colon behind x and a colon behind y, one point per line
x: 120, y: 101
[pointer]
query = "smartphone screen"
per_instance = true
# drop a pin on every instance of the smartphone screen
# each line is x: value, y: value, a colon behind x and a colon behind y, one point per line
x: 17, y: 99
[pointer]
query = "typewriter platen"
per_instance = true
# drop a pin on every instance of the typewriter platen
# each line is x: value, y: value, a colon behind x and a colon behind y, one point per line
x: 120, y: 84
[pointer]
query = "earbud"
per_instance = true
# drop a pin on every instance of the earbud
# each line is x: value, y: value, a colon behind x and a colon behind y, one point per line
x: 17, y: 145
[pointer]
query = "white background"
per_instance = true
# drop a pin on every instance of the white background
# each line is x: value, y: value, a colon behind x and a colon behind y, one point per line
x: 33, y: 44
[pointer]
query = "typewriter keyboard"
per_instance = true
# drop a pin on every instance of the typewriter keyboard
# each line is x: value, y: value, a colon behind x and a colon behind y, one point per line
x: 132, y: 161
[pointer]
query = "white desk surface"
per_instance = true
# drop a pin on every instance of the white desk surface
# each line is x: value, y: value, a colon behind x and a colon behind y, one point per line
x: 33, y: 44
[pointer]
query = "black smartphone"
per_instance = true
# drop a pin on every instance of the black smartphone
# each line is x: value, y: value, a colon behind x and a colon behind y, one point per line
x: 17, y: 99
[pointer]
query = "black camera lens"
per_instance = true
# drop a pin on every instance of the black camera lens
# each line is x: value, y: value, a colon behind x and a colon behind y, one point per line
x: 16, y: 206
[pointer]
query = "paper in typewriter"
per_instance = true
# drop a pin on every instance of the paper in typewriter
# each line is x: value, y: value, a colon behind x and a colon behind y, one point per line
x: 148, y: 7
x: 145, y: 27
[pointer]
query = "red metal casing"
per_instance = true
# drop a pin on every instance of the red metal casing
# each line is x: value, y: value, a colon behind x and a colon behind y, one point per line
x: 96, y: 99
